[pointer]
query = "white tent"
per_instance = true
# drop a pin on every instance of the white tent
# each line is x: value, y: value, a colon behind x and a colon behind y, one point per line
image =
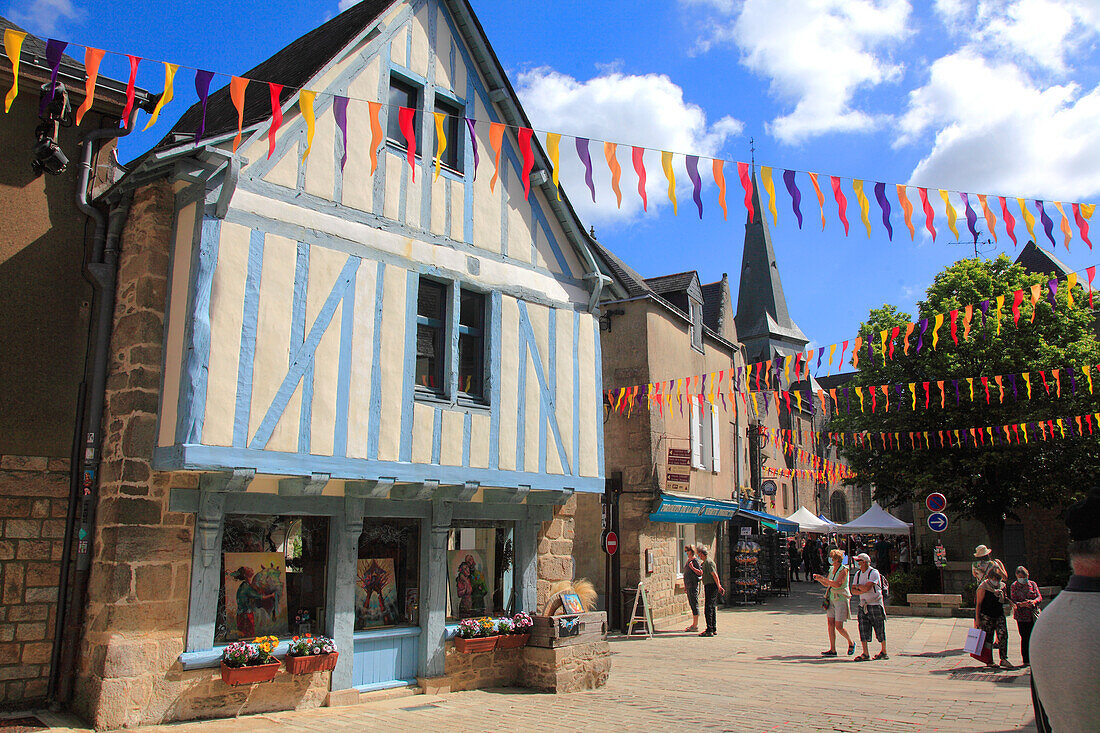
x: 875, y: 520
x: 807, y: 522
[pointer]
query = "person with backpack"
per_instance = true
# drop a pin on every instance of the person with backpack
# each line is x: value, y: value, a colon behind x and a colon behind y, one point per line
x: 871, y: 586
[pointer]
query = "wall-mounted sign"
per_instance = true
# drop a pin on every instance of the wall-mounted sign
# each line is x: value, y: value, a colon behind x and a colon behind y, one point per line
x: 677, y: 482
x: 679, y: 457
x: 936, y: 502
x: 768, y: 488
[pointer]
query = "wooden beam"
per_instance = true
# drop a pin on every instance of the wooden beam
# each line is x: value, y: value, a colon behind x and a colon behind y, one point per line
x: 311, y: 485
x: 507, y: 496
x: 379, y: 489
x: 549, y: 497
x: 415, y: 492
x: 462, y: 493
x: 227, y: 481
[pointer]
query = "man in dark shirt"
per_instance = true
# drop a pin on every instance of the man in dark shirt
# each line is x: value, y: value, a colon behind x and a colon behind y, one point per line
x: 882, y: 554
x: 712, y: 587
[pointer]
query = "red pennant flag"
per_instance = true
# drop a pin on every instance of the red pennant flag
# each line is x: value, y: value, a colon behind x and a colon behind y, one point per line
x: 528, y: 159
x: 955, y: 326
x: 929, y: 214
x: 927, y: 395
x: 276, y: 116
x: 1017, y: 298
x: 134, y: 61
x: 636, y: 154
x: 841, y: 203
x: 985, y: 383
x: 1010, y: 221
x: 405, y: 117
x: 1091, y: 272
x: 746, y: 183
x: 893, y: 335
x: 1045, y: 385
x: 1082, y: 224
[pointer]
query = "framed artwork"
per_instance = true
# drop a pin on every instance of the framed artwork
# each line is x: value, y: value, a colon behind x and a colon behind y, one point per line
x: 255, y: 594
x: 571, y: 603
x: 375, y: 593
x: 471, y: 583
x: 649, y: 561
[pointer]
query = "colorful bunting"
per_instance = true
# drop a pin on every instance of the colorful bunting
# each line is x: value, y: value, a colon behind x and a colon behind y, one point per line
x: 528, y: 156
x: 165, y: 96
x: 880, y: 196
x: 581, y: 144
x: 202, y: 89
x: 820, y: 198
x: 92, y: 59
x: 277, y: 120
x: 616, y: 171
x: 769, y: 187
x: 553, y: 144
x: 340, y: 114
x: 841, y: 203
x: 720, y: 181
x: 864, y: 205
x: 746, y: 184
x: 637, y: 157
x: 130, y: 87
x: 666, y: 165
x: 951, y: 215
x: 496, y: 142
x: 13, y: 47
x: 691, y: 162
x: 237, y: 86
x: 929, y: 214
x: 796, y: 195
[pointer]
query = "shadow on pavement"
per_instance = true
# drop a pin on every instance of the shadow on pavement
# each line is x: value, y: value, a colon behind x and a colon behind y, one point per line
x: 804, y: 658
x: 944, y: 653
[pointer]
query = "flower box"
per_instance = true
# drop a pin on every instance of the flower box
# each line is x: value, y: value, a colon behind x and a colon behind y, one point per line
x: 513, y: 641
x: 477, y: 644
x: 250, y: 674
x: 309, y: 663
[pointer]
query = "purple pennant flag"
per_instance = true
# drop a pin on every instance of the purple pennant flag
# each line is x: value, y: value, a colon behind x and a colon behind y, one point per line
x: 900, y: 391
x: 764, y: 394
x: 1012, y: 378
x: 796, y: 195
x: 984, y: 305
x: 692, y: 163
x: 737, y: 380
x: 920, y: 336
x: 880, y: 195
x: 1048, y: 225
x: 703, y: 387
x: 1052, y: 288
x: 582, y: 152
x: 473, y: 140
x: 820, y: 353
x: 54, y: 51
x: 340, y: 112
x: 955, y: 382
x: 202, y: 88
x: 1072, y: 379
x: 810, y: 400
x: 870, y: 350
x: 971, y: 217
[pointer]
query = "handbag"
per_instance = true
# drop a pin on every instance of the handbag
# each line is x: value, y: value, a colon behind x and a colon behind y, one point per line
x: 976, y: 646
x: 825, y: 602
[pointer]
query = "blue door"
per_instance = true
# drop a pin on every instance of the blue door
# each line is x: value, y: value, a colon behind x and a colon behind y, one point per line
x: 385, y: 658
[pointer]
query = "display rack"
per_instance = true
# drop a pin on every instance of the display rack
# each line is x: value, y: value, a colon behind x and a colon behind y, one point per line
x: 774, y: 565
x: 746, y: 570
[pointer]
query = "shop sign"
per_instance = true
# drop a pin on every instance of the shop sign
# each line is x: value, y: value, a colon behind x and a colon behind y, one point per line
x: 768, y: 488
x: 679, y: 457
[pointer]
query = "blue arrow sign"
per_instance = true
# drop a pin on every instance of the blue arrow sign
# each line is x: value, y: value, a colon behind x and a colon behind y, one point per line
x: 937, y: 522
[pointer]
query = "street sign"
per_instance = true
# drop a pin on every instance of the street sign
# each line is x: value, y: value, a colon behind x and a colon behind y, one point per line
x: 768, y: 488
x: 936, y: 502
x: 610, y: 542
x: 937, y: 522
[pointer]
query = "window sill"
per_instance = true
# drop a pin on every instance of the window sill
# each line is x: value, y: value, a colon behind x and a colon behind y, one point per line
x: 208, y: 658
x: 464, y: 403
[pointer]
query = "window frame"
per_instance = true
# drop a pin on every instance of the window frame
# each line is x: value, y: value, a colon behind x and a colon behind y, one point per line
x: 393, y: 130
x: 451, y: 393
x: 475, y: 397
x: 695, y: 315
x: 444, y: 326
x: 454, y: 158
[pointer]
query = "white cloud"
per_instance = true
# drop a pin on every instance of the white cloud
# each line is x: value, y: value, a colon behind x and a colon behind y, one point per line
x: 817, y: 53
x: 345, y: 4
x: 43, y: 16
x: 996, y: 130
x: 645, y: 110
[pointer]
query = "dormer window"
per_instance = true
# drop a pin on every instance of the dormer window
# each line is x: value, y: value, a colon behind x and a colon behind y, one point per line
x: 695, y: 309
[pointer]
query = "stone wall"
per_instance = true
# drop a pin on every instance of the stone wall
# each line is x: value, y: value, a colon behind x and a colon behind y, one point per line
x: 34, y: 494
x: 555, y: 549
x: 566, y: 669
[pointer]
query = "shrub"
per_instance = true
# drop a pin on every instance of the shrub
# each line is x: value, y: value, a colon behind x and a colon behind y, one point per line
x: 969, y: 594
x: 902, y: 584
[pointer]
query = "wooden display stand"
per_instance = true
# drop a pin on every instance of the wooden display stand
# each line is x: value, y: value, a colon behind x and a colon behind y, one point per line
x: 646, y: 617
x: 549, y: 634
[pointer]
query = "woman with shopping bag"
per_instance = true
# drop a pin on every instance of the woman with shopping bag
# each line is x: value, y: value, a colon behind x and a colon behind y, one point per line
x: 989, y: 616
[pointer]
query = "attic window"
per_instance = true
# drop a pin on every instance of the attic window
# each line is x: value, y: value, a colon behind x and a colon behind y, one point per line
x: 696, y: 313
x: 403, y: 93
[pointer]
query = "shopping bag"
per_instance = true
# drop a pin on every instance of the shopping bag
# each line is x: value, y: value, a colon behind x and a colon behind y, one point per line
x: 975, y: 641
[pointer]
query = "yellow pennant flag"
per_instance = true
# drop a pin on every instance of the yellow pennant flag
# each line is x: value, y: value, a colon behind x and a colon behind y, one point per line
x: 1027, y: 381
x: 1023, y: 427
x: 936, y: 330
x: 766, y: 177
x: 913, y: 390
x: 884, y: 336
x: 1029, y: 218
x: 1071, y: 281
x: 1088, y: 373
x: 864, y: 205
x: 957, y: 438
x: 798, y: 396
x: 951, y: 215
x: 832, y: 350
x: 1061, y: 427
x: 755, y: 404
x: 1087, y: 209
x: 305, y: 104
x: 1000, y: 306
x: 553, y: 141
x: 787, y: 369
x: 970, y: 381
x: 1065, y: 224
x: 13, y: 46
x: 666, y: 163
x: 859, y: 393
x: 166, y: 95
x: 440, y: 140
x: 1034, y: 300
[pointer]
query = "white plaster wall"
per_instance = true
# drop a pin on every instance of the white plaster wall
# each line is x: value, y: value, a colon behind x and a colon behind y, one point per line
x: 272, y: 359
x: 177, y: 313
x: 226, y: 316
x: 362, y: 349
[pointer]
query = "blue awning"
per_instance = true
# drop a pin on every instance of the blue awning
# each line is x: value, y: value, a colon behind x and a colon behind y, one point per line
x: 684, y: 509
x: 776, y: 523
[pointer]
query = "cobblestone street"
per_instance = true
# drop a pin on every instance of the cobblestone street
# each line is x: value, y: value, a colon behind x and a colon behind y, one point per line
x: 762, y: 673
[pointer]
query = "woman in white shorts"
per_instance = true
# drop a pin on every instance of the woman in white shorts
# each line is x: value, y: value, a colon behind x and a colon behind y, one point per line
x: 837, y: 596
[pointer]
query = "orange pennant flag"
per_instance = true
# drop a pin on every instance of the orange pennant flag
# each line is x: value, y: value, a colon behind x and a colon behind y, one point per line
x: 237, y: 85
x: 376, y: 135
x: 92, y: 58
x: 496, y: 140
x: 616, y: 171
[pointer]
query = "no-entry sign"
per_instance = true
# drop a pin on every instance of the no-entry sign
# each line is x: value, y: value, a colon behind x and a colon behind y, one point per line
x: 936, y: 502
x: 937, y: 522
x: 611, y: 542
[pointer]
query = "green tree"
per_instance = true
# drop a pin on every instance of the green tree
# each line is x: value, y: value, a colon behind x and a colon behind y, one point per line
x: 986, y: 483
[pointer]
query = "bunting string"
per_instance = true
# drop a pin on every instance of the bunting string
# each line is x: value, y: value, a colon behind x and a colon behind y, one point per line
x: 1022, y: 433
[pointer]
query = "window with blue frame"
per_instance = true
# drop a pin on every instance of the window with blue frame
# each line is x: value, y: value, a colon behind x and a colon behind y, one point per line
x: 452, y: 129
x: 471, y: 344
x: 403, y: 93
x: 431, y: 327
x: 436, y: 321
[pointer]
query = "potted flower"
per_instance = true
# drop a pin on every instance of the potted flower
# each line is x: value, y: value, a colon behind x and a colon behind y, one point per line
x: 311, y: 654
x: 244, y: 662
x: 476, y: 635
x: 519, y: 631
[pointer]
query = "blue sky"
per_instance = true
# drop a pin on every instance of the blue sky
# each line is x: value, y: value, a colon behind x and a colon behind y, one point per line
x: 990, y: 97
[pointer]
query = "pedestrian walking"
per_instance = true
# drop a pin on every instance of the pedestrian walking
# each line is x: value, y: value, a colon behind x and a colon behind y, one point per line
x: 836, y: 604
x: 1064, y: 654
x: 872, y: 613
x: 810, y: 557
x: 1025, y: 597
x: 989, y: 615
x: 882, y: 554
x: 712, y: 586
x: 693, y: 571
x: 795, y: 560
x: 903, y: 556
x: 983, y: 561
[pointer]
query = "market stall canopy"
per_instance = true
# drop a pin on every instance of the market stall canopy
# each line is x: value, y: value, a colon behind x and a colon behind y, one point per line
x: 807, y: 522
x: 875, y: 520
x: 686, y: 509
x: 767, y: 520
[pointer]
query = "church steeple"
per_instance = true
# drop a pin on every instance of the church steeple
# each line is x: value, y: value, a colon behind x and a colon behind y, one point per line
x: 763, y: 323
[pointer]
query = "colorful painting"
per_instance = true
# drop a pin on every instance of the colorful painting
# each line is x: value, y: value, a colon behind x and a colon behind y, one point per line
x: 376, y: 594
x: 471, y: 582
x: 255, y: 594
x: 571, y: 603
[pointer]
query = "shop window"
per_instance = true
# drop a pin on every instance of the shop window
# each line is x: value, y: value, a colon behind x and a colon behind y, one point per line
x: 403, y: 93
x: 480, y: 572
x: 431, y: 310
x: 453, y: 128
x: 273, y: 577
x: 387, y: 570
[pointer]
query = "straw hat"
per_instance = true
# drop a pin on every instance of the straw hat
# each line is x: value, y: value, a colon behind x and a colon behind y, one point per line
x: 982, y: 551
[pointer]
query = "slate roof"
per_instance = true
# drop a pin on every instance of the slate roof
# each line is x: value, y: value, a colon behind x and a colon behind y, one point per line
x: 633, y: 283
x: 292, y: 67
x: 1036, y: 259
x: 675, y: 283
x: 712, y: 305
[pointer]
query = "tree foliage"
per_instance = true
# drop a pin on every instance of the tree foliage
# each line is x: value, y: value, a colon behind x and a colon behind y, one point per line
x: 987, y: 482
